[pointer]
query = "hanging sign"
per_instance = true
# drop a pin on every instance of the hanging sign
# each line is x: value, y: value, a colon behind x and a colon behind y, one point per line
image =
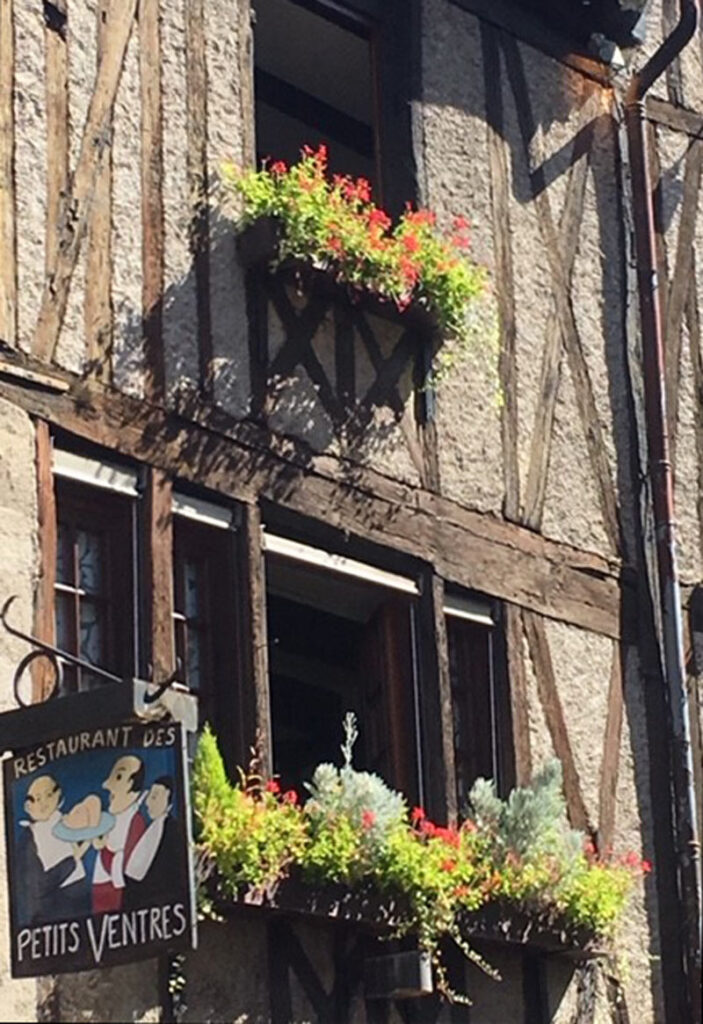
x: 99, y: 869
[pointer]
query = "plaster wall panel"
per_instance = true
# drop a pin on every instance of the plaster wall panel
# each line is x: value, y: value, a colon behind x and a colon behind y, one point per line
x: 633, y: 831
x: 571, y: 510
x: 689, y: 553
x: 541, y: 746
x: 30, y: 165
x: 227, y: 976
x: 576, y: 993
x: 227, y: 298
x: 661, y: 17
x: 18, y: 514
x: 179, y: 310
x: 114, y: 994
x: 582, y: 663
x: 128, y: 346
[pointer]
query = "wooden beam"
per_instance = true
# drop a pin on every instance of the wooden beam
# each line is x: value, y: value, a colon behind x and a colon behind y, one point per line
x: 196, y: 128
x: 152, y: 201
x: 254, y: 641
x: 519, y: 702
x: 56, y: 131
x: 95, y: 142
x: 554, y: 716
x: 694, y: 338
x: 246, y: 83
x: 8, y: 230
x: 505, y: 287
x: 679, y: 119
x: 159, y: 573
x: 610, y: 763
x: 44, y: 611
x: 658, y: 207
x: 241, y: 461
x: 98, y: 297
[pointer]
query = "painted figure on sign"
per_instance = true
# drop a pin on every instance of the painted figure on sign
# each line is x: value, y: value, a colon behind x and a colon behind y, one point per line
x: 124, y: 785
x: 54, y: 885
x: 155, y: 870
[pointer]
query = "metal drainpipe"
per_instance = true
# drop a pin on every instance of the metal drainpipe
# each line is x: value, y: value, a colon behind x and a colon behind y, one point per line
x: 661, y: 477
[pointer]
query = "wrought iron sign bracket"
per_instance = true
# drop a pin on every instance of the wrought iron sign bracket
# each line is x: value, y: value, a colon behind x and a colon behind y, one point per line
x: 116, y: 701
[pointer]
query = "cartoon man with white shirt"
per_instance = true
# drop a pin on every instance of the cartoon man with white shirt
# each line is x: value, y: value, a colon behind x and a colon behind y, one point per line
x: 124, y: 784
x: 50, y: 868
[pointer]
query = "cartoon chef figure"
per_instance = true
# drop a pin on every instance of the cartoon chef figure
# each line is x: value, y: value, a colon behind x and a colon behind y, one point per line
x: 124, y: 785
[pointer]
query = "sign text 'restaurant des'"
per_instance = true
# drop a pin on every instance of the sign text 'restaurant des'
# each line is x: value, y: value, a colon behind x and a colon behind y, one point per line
x: 98, y: 849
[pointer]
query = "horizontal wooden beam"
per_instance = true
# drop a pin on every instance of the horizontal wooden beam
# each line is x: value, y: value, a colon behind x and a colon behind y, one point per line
x: 679, y: 119
x: 240, y: 461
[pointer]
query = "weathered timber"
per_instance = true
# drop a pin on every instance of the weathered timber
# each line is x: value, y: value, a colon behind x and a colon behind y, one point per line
x: 95, y: 142
x: 694, y: 338
x: 436, y: 703
x: 680, y: 285
x: 519, y: 702
x: 678, y: 118
x: 98, y: 298
x: 554, y: 716
x: 196, y: 128
x: 588, y: 411
x: 8, y: 229
x: 252, y: 582
x: 44, y: 617
x: 159, y: 572
x: 670, y: 14
x: 243, y: 462
x: 505, y: 287
x: 569, y: 233
x: 610, y: 763
x: 152, y: 201
x: 657, y: 204
x: 57, y: 134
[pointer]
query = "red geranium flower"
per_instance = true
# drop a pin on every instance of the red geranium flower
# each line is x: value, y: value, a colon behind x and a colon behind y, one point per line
x: 368, y: 820
x: 279, y: 167
x: 417, y: 814
x: 272, y: 786
x: 290, y: 797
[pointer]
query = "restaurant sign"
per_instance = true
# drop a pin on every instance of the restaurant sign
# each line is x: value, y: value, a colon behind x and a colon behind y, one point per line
x: 98, y: 847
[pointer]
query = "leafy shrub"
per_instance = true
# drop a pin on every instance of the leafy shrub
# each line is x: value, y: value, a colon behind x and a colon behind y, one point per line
x: 335, y: 225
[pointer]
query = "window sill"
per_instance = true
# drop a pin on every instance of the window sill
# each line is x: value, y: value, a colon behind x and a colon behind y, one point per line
x: 258, y: 248
x: 494, y: 924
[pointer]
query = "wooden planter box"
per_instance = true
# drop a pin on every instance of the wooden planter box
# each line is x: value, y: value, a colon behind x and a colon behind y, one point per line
x: 258, y: 248
x: 376, y: 913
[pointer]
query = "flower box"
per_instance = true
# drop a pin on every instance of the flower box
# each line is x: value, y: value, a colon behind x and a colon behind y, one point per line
x: 495, y: 923
x: 258, y: 246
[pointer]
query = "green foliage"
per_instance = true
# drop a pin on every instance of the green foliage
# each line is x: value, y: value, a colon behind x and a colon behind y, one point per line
x: 354, y: 829
x: 334, y: 225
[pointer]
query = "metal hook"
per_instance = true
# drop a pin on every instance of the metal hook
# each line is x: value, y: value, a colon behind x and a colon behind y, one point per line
x: 151, y: 698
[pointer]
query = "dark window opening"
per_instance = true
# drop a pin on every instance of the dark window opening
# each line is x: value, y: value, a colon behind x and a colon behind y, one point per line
x: 204, y: 613
x: 339, y: 644
x: 475, y: 714
x: 93, y: 590
x: 314, y: 83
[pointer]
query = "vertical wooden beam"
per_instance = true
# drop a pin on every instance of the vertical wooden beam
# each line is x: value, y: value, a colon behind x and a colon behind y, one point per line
x: 8, y: 231
x: 95, y: 142
x: 694, y: 338
x: 152, y: 201
x: 44, y: 611
x: 98, y: 299
x: 254, y: 688
x: 436, y: 711
x: 505, y: 288
x: 159, y: 572
x: 610, y: 764
x: 196, y: 127
x: 554, y: 715
x: 55, y: 26
x: 518, y: 694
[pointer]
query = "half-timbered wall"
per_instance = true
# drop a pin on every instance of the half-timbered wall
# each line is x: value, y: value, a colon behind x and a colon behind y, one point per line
x: 520, y: 478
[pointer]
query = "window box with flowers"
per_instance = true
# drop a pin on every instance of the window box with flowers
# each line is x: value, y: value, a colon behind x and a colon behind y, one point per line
x: 330, y: 235
x: 512, y: 872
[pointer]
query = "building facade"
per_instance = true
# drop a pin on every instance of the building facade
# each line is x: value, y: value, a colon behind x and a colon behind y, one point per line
x: 191, y: 447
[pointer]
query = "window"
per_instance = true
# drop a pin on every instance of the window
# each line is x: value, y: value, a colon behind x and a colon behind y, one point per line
x: 470, y: 640
x: 341, y: 638
x: 94, y: 567
x: 314, y: 83
x: 203, y: 600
